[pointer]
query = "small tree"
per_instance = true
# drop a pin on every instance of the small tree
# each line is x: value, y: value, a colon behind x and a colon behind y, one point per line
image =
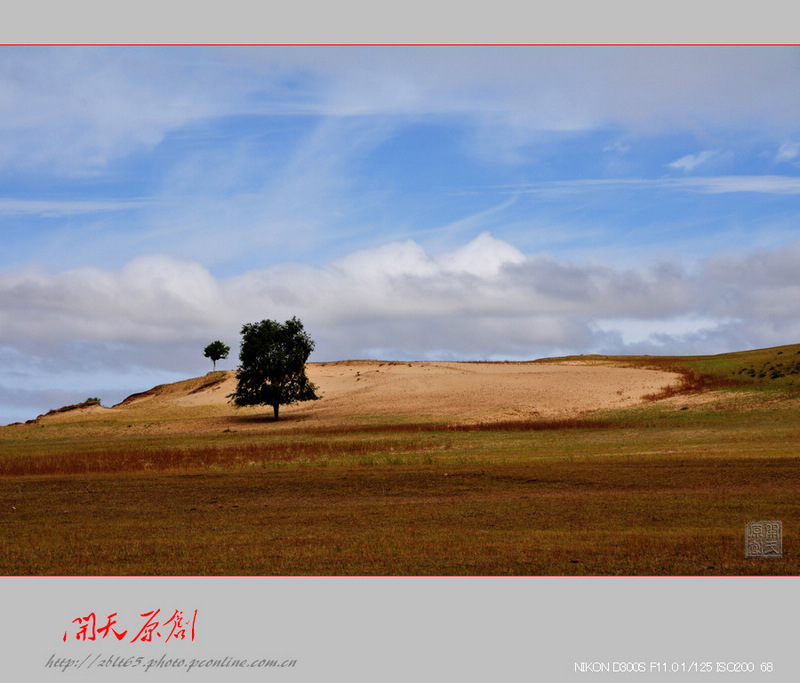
x: 272, y: 368
x: 215, y: 351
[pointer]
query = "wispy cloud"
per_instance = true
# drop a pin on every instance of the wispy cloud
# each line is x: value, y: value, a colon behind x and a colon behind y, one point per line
x: 75, y: 110
x: 788, y: 152
x: 49, y: 209
x: 766, y: 184
x: 691, y: 161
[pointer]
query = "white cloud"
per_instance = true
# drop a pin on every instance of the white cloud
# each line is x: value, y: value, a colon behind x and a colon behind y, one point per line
x: 691, y: 161
x: 152, y: 299
x: 406, y: 259
x: 484, y: 257
x: 788, y: 152
x: 617, y: 147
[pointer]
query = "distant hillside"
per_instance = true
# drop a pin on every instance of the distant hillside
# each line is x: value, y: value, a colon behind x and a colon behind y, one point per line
x: 197, y: 385
x: 421, y: 392
x: 483, y: 390
x: 769, y: 368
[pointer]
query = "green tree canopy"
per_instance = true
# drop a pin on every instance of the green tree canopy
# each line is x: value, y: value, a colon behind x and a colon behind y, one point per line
x: 272, y: 369
x: 215, y: 351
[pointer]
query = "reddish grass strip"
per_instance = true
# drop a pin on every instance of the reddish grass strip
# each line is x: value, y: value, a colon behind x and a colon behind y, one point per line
x: 692, y: 382
x: 534, y: 425
x: 529, y: 425
x: 142, y: 459
x: 161, y: 459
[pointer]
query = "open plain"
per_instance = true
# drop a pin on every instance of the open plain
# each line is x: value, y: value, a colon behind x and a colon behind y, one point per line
x: 584, y: 465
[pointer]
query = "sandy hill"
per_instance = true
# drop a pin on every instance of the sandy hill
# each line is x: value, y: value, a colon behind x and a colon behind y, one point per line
x: 362, y: 390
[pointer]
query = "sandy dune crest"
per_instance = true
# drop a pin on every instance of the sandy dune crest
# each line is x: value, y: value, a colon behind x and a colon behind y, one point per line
x: 440, y: 390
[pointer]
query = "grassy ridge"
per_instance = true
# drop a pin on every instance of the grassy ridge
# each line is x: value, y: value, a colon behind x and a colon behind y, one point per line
x: 771, y: 369
x: 665, y: 488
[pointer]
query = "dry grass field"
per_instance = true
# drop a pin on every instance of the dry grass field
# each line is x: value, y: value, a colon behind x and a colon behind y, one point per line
x: 585, y: 465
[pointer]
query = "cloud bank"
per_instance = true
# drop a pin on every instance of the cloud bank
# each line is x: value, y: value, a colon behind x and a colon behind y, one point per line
x: 484, y: 300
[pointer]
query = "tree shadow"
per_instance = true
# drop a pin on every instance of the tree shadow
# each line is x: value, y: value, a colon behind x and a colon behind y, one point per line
x: 265, y: 418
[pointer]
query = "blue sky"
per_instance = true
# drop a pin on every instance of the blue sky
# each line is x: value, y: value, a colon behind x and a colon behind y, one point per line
x: 404, y: 202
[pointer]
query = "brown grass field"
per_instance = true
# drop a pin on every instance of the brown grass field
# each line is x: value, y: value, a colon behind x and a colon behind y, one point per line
x: 573, y: 466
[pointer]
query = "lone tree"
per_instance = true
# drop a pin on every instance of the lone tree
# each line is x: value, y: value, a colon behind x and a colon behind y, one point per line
x: 272, y: 368
x: 215, y: 351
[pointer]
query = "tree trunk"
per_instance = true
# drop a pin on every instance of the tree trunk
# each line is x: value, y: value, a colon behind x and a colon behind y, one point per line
x: 275, y: 408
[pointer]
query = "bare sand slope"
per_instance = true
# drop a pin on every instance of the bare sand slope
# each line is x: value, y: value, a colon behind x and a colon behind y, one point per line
x: 441, y: 390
